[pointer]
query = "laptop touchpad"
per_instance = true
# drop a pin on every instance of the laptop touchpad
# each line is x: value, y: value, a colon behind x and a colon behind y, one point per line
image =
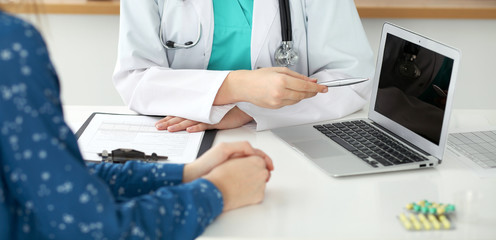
x: 320, y: 148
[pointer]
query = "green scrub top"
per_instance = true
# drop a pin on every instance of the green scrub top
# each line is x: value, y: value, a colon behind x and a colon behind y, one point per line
x: 232, y: 35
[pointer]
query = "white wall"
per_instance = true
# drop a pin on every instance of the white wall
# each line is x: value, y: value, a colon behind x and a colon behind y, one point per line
x: 84, y: 50
x: 476, y: 83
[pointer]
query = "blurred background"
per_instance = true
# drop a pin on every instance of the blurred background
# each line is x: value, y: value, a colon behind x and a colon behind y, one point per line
x: 82, y: 37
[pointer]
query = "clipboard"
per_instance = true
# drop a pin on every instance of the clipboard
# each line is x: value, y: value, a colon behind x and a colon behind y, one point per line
x: 206, y: 140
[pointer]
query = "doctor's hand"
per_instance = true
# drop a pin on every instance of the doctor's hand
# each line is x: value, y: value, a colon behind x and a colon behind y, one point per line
x: 273, y: 87
x: 220, y: 154
x: 233, y: 119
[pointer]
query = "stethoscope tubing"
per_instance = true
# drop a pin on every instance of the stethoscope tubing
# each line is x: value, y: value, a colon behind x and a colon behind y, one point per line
x: 286, y: 29
x: 284, y: 56
x: 285, y: 15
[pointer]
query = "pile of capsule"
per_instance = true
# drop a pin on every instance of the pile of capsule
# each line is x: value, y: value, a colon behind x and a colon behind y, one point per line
x: 426, y: 215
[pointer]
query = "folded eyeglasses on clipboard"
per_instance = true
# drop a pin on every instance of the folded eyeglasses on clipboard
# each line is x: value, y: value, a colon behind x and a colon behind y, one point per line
x: 122, y: 155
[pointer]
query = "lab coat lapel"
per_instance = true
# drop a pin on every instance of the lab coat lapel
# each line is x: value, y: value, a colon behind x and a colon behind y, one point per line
x: 205, y: 12
x: 264, y: 13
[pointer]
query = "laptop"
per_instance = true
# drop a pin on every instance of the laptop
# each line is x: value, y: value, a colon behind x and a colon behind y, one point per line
x: 409, y: 111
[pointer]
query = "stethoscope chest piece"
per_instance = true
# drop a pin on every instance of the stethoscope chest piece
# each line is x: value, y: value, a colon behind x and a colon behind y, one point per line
x: 286, y: 55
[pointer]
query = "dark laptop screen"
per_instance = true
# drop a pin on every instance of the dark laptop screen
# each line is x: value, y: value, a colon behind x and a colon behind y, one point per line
x: 413, y: 87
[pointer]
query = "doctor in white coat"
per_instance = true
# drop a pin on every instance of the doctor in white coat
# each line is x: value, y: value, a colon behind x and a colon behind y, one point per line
x: 153, y: 80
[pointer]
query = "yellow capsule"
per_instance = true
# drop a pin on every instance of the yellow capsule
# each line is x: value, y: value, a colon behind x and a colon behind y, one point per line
x: 435, y: 205
x: 415, y: 222
x: 421, y: 203
x: 424, y: 221
x: 440, y: 210
x: 446, y: 223
x: 434, y: 221
x: 405, y: 222
x: 409, y: 206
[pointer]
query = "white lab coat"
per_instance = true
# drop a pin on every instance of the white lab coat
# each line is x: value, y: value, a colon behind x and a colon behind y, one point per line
x: 154, y: 81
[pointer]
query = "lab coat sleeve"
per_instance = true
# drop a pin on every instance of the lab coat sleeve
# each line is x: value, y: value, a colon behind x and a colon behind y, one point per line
x: 337, y: 47
x: 145, y: 81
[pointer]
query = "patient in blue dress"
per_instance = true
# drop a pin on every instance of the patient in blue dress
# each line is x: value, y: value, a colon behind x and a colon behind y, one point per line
x: 48, y: 192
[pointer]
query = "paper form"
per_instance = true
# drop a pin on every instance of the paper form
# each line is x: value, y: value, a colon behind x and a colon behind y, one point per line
x: 109, y: 132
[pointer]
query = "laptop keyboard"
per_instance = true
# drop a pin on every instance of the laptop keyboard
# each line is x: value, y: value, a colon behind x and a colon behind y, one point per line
x: 369, y: 144
x: 480, y: 147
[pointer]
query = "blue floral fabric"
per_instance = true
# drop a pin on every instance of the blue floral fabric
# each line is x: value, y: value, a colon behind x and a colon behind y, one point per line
x: 46, y: 189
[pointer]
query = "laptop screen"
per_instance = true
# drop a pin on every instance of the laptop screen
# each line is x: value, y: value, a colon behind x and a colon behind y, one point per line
x: 413, y: 87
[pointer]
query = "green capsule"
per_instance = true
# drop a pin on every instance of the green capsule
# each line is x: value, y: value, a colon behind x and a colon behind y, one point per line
x: 432, y: 210
x: 424, y: 210
x: 416, y: 208
x: 450, y: 208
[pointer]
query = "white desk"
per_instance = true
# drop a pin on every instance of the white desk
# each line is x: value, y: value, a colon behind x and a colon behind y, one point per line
x: 304, y: 203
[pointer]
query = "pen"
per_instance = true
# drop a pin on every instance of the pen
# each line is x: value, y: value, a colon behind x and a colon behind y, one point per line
x: 122, y: 155
x: 343, y: 82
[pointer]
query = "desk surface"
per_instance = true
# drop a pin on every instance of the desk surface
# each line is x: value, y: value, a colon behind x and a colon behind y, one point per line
x: 479, y: 9
x: 302, y: 202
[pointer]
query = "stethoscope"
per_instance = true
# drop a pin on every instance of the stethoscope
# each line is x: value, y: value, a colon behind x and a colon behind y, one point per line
x: 284, y: 56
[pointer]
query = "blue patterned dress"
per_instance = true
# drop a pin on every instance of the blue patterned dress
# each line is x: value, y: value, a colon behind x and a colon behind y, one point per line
x: 47, y: 191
